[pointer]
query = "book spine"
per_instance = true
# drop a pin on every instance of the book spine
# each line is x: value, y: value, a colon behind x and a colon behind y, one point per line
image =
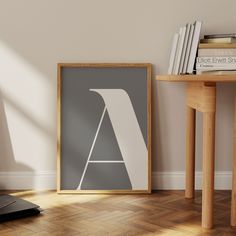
x: 188, y: 49
x: 194, y: 46
x: 224, y: 60
x: 218, y: 40
x: 216, y: 72
x: 213, y: 36
x: 179, y: 50
x: 173, y: 53
x: 209, y: 52
x: 217, y: 45
x: 215, y: 67
x: 184, y: 49
x: 215, y: 62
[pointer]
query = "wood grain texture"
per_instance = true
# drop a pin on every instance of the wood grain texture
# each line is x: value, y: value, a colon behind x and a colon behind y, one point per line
x: 233, y: 197
x: 104, y: 65
x: 58, y: 125
x: 196, y: 78
x: 149, y: 112
x: 148, y: 66
x: 190, y: 152
x: 208, y: 169
x: 201, y: 96
x: 163, y: 213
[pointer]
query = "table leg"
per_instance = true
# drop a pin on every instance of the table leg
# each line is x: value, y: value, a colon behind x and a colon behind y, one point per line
x: 233, y: 201
x: 190, y: 152
x: 208, y: 169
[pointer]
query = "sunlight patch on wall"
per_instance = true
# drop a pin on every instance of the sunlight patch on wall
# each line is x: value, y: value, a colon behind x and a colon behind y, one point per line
x: 29, y: 103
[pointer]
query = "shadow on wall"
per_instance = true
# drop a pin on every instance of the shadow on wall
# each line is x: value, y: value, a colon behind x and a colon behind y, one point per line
x: 7, y: 154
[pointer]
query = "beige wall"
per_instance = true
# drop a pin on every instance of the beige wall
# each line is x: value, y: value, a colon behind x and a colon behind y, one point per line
x: 36, y: 35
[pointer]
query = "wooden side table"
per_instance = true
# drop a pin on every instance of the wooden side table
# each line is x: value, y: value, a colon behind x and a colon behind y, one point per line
x: 201, y: 96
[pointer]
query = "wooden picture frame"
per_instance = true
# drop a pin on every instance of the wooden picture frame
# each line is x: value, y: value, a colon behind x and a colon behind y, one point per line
x: 69, y: 102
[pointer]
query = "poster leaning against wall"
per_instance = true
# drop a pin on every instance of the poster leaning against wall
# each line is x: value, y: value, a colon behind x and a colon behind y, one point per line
x: 104, y: 128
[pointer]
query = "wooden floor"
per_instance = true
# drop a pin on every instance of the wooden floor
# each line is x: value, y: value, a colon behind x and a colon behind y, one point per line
x: 162, y: 213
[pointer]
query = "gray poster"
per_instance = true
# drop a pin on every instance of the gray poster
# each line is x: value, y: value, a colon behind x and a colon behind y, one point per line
x: 104, y: 127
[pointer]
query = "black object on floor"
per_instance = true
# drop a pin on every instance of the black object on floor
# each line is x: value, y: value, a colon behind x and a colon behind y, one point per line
x: 13, y: 208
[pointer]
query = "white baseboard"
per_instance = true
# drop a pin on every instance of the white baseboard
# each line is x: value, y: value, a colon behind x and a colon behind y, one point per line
x: 160, y: 180
x: 176, y: 180
x: 39, y: 180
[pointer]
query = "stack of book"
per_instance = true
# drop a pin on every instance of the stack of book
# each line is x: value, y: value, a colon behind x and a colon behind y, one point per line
x: 217, y: 54
x: 184, y: 49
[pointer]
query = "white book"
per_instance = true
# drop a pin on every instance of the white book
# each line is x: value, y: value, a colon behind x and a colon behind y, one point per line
x: 175, y: 69
x: 190, y: 38
x: 184, y: 49
x: 215, y: 67
x: 208, y: 52
x: 214, y: 36
x: 194, y: 46
x: 219, y: 40
x: 179, y: 50
x: 173, y: 53
x: 227, y: 61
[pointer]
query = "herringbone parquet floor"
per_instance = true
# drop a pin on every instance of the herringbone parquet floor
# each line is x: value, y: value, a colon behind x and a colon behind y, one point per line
x: 162, y: 213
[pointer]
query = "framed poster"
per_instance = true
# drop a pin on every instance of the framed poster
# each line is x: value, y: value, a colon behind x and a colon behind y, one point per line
x: 104, y: 128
